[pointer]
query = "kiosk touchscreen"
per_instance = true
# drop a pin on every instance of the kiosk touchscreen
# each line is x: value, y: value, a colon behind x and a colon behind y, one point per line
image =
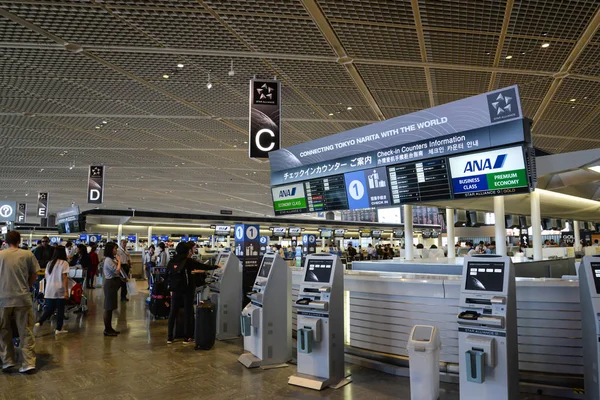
x: 589, y: 293
x: 267, y: 320
x: 487, y: 329
x: 225, y: 291
x: 320, y: 333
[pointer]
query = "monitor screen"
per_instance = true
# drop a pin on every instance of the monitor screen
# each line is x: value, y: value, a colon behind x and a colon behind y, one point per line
x: 318, y: 271
x: 596, y: 273
x: 485, y: 276
x: 265, y: 267
x: 326, y: 233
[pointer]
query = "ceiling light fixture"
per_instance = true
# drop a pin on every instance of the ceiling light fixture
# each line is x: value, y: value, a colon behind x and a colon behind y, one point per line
x: 508, y: 57
x: 209, y: 83
x: 105, y: 122
x: 180, y: 65
x: 595, y: 168
x: 166, y: 76
x: 331, y: 114
x: 231, y: 71
x: 348, y: 108
x: 573, y: 100
x: 545, y: 45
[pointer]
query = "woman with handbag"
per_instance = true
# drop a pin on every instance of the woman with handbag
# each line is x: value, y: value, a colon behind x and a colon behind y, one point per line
x: 112, y: 283
x: 82, y: 259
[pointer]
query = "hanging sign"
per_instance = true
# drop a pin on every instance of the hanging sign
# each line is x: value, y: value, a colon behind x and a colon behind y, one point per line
x: 95, y: 192
x: 22, y: 212
x: 265, y: 118
x: 7, y: 210
x: 42, y: 205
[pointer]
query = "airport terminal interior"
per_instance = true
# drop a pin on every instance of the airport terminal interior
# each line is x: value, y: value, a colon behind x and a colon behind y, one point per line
x: 265, y: 199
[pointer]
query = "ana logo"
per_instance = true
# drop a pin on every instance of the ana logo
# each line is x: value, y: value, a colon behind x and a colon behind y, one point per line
x: 485, y: 164
x: 287, y: 193
x: 503, y: 105
x: 6, y: 211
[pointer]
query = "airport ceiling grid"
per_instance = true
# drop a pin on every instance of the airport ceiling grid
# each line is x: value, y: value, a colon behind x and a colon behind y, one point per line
x: 81, y: 82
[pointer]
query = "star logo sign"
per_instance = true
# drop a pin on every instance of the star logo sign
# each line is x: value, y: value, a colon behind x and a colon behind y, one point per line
x: 502, y: 104
x: 42, y: 196
x: 96, y: 171
x: 265, y: 92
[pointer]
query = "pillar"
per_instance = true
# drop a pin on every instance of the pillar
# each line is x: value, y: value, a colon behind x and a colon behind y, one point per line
x: 119, y: 232
x: 450, y: 233
x: 500, y: 226
x: 536, y: 225
x: 149, y: 236
x: 408, y: 231
x: 577, y: 235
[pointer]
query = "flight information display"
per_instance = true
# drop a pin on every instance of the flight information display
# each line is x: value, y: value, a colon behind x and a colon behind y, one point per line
x: 596, y: 271
x: 326, y: 194
x: 485, y: 276
x: 419, y: 182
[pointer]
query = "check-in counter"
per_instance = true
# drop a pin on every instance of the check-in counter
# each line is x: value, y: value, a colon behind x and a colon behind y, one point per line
x: 382, y: 307
x: 591, y: 250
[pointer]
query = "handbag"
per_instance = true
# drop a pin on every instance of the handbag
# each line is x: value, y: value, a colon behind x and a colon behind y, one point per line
x: 99, y: 281
x: 132, y: 287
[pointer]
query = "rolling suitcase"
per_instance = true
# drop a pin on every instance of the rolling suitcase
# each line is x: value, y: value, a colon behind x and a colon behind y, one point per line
x: 206, y: 325
x: 160, y: 301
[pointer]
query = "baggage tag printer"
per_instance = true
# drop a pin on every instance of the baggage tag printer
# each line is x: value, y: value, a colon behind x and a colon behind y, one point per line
x: 320, y: 324
x: 225, y: 291
x: 487, y: 329
x: 589, y: 293
x: 267, y: 320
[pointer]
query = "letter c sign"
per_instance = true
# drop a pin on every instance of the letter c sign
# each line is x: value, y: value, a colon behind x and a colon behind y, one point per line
x: 271, y: 145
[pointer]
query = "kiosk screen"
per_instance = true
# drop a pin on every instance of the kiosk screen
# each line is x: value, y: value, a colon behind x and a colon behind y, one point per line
x: 596, y: 271
x: 485, y: 276
x: 266, y: 267
x: 318, y: 271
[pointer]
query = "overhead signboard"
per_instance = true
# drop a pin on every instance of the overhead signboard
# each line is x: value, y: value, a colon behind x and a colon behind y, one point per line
x: 365, y: 233
x: 279, y: 231
x: 368, y: 188
x: 484, y: 121
x: 42, y: 205
x: 326, y: 194
x: 8, y: 211
x: 265, y: 117
x: 22, y: 212
x: 339, y: 232
x: 420, y: 181
x: 376, y: 234
x: 289, y: 199
x: 294, y: 231
x: 398, y: 233
x: 95, y: 192
x: 495, y: 172
x: 69, y: 214
x: 222, y: 230
x: 325, y: 233
x: 164, y: 238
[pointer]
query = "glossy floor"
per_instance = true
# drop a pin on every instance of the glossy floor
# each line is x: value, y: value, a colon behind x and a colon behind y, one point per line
x: 139, y: 365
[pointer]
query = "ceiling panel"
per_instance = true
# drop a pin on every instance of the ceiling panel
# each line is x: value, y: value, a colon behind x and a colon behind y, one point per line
x: 460, y: 81
x: 393, y: 77
x: 460, y: 48
x: 470, y: 15
x: 383, y: 11
x: 529, y: 54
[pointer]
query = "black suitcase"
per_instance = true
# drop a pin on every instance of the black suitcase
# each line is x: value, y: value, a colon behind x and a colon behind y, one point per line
x: 160, y: 301
x: 206, y: 325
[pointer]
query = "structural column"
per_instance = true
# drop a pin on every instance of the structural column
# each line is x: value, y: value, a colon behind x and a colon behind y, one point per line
x: 408, y: 231
x: 450, y: 232
x: 536, y: 225
x: 149, y: 236
x: 500, y: 227
x: 119, y: 232
x: 577, y: 236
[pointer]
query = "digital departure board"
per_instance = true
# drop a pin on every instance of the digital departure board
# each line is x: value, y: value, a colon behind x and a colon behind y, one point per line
x: 326, y: 194
x: 419, y: 182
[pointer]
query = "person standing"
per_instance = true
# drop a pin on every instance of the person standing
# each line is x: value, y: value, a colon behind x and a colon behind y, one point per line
x: 162, y: 256
x: 81, y: 258
x: 43, y: 253
x: 56, y: 291
x: 112, y: 282
x: 93, y: 270
x: 18, y: 272
x: 149, y: 263
x: 125, y: 258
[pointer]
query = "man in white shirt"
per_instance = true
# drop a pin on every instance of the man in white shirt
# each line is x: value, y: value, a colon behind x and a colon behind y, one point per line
x: 123, y: 253
x: 18, y: 272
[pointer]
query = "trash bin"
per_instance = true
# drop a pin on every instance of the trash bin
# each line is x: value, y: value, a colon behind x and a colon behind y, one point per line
x: 423, y: 348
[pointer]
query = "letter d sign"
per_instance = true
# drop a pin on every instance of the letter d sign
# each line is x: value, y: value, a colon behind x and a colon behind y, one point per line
x: 94, y: 195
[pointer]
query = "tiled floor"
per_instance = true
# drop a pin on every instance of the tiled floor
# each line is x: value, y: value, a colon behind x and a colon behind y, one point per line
x: 139, y: 365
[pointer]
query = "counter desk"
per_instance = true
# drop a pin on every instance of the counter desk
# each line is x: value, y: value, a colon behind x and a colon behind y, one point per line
x: 382, y: 307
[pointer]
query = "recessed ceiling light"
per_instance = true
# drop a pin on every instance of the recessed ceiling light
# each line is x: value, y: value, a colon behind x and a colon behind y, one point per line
x: 331, y: 114
x: 235, y: 145
x: 572, y: 106
x: 585, y: 98
x: 180, y: 65
x: 97, y: 126
x: 508, y: 57
x: 488, y: 53
x: 105, y: 122
x: 572, y: 99
x: 245, y: 142
x: 26, y: 194
x: 348, y: 108
x: 166, y: 76
x: 545, y: 45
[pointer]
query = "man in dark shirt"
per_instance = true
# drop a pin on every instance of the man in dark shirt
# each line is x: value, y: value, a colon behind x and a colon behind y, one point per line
x: 44, y: 252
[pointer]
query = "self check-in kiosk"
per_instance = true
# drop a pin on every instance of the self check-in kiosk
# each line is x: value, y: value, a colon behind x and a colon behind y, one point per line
x: 225, y: 291
x: 267, y: 320
x: 487, y: 330
x: 589, y: 293
x: 320, y: 324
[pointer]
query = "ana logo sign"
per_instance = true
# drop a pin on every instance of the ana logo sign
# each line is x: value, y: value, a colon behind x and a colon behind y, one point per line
x: 485, y: 164
x: 287, y: 193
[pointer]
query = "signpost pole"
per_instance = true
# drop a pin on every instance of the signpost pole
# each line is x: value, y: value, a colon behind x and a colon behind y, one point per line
x: 450, y: 233
x: 408, y: 231
x: 577, y: 235
x: 536, y: 225
x: 500, y: 227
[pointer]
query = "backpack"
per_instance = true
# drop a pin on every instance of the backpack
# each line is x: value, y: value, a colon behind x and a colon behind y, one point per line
x: 176, y: 275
